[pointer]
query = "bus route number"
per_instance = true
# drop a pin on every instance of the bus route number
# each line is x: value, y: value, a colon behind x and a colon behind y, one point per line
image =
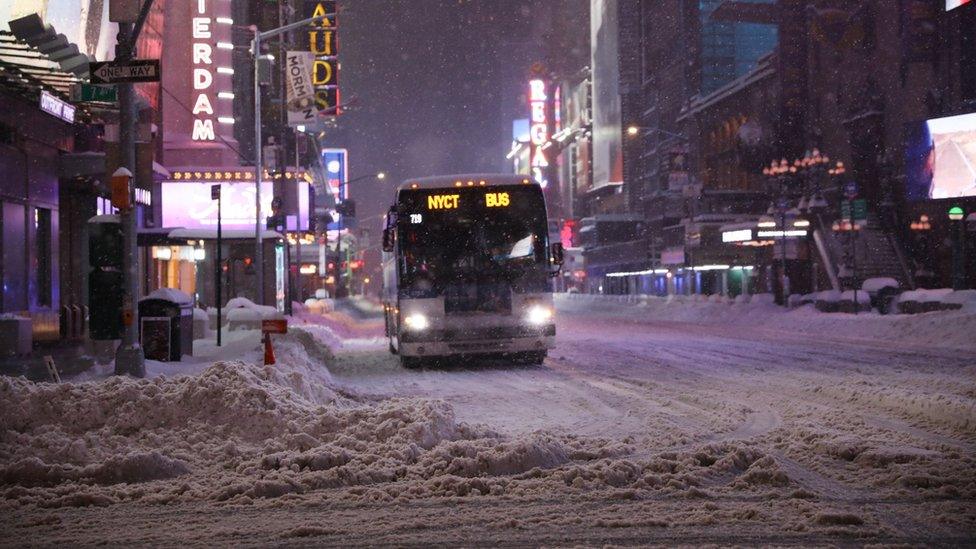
x: 443, y: 201
x: 497, y: 200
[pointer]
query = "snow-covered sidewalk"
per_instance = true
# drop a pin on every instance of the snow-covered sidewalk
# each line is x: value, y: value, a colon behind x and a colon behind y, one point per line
x: 648, y: 424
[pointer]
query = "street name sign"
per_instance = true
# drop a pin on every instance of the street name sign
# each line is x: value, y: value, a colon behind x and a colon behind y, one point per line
x: 118, y: 72
x: 90, y: 92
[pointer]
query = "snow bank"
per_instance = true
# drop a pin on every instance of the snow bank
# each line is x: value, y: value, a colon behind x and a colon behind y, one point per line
x: 946, y: 329
x: 876, y: 284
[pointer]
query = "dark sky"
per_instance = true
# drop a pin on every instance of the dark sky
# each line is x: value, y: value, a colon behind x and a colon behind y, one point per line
x: 436, y: 84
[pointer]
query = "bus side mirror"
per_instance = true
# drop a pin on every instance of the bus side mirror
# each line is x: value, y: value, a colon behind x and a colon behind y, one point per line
x: 388, y: 239
x: 556, y: 251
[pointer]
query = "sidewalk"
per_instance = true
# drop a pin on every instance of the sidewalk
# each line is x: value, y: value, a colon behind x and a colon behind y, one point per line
x: 69, y: 357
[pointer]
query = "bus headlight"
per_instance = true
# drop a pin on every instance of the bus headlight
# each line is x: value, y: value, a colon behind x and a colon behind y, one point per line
x: 538, y: 315
x: 416, y: 322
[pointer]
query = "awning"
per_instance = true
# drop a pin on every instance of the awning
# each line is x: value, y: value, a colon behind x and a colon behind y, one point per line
x: 178, y: 236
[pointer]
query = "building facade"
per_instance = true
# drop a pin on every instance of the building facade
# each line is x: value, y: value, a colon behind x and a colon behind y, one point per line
x: 843, y: 98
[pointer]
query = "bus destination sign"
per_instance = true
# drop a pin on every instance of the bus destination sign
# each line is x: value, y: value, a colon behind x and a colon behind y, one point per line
x: 453, y: 201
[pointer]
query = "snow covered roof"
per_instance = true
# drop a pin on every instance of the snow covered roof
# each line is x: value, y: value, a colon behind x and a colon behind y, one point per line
x: 211, y: 234
x: 170, y: 294
x: 106, y: 218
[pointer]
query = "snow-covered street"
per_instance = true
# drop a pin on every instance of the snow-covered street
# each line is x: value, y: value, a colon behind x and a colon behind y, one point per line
x: 647, y: 424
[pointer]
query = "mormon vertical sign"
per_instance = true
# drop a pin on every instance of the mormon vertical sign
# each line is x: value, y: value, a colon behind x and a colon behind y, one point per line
x: 323, y: 42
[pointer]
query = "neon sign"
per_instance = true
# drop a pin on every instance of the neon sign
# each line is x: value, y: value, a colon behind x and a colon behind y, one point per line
x: 203, y: 78
x: 324, y: 45
x: 538, y: 130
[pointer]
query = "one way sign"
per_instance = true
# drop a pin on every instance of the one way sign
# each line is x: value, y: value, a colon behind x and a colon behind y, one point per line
x: 117, y: 72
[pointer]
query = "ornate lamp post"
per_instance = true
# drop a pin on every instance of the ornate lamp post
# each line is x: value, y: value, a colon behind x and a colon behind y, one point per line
x: 956, y: 217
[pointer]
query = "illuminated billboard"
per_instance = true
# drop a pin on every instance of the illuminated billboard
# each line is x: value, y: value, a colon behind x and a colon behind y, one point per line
x: 189, y: 205
x: 953, y: 4
x: 607, y: 144
x: 940, y: 158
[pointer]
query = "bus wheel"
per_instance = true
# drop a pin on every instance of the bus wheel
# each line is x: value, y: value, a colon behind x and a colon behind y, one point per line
x: 532, y: 357
x: 411, y: 362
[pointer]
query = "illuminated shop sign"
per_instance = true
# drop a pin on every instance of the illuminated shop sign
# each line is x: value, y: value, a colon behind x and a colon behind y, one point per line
x: 336, y: 168
x: 538, y: 130
x: 782, y: 234
x: 203, y: 76
x: 56, y: 107
x: 737, y: 236
x: 324, y: 45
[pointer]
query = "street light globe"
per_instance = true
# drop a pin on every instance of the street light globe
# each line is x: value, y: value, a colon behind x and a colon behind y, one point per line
x: 381, y: 175
x: 632, y: 130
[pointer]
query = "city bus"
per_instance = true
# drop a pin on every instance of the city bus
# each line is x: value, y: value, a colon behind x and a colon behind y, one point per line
x: 467, y: 262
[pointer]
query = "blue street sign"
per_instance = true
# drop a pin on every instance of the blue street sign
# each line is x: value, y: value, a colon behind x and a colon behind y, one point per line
x: 850, y: 189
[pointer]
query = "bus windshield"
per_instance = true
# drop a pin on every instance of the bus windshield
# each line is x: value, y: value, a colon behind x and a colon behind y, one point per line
x: 476, y: 241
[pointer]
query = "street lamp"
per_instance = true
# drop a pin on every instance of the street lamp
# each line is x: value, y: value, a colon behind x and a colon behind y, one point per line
x: 956, y: 216
x: 778, y: 172
x: 258, y: 165
x: 634, y: 131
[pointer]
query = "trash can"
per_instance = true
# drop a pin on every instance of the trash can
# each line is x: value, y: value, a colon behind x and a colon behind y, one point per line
x: 166, y: 325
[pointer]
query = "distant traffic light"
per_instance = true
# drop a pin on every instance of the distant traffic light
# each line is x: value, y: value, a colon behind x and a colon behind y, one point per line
x: 347, y: 208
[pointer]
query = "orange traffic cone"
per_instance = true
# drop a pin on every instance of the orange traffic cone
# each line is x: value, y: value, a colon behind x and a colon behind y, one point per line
x: 269, y: 357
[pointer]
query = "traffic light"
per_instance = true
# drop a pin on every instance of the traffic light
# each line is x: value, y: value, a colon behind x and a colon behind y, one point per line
x: 105, y: 304
x: 347, y: 208
x: 105, y: 282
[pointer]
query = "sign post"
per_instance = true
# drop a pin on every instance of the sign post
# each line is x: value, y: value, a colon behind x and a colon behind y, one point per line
x: 219, y: 269
x: 850, y: 210
x: 122, y: 72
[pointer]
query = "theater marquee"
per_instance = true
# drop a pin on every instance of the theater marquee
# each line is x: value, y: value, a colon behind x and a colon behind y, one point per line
x: 323, y: 42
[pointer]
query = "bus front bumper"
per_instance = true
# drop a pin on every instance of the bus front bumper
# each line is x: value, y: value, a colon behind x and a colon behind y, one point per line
x: 488, y: 341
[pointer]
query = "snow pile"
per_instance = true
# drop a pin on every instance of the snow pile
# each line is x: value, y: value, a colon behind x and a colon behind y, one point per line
x: 241, y: 432
x: 946, y: 329
x: 873, y: 285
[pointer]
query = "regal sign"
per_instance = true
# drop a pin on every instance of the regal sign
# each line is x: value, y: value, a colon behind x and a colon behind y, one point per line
x: 203, y: 77
x: 323, y: 43
x: 538, y: 130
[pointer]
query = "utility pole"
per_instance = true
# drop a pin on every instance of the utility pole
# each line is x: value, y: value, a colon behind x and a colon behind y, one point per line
x: 258, y: 169
x: 258, y: 142
x: 129, y: 357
